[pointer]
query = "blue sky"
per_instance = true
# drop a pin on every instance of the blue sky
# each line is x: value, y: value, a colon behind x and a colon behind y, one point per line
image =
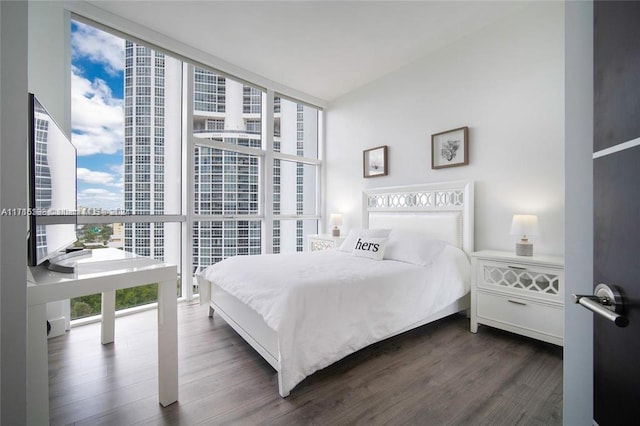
x: 97, y: 115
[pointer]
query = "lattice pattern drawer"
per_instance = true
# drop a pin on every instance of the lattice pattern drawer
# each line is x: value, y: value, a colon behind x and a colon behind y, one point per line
x: 321, y: 245
x: 540, y: 282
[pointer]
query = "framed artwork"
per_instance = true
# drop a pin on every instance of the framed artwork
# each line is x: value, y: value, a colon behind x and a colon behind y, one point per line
x: 450, y: 148
x: 375, y: 162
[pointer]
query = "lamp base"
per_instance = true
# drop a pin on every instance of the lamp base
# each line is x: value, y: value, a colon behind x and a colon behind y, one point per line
x: 335, y: 232
x: 524, y: 249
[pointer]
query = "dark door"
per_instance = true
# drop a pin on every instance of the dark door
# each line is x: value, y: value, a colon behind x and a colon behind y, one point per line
x: 616, y: 168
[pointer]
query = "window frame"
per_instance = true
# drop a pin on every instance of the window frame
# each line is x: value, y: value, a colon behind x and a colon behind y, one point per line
x: 149, y: 39
x: 266, y: 154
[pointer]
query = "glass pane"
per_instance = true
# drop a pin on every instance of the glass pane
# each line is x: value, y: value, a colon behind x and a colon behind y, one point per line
x: 136, y: 238
x: 291, y: 235
x: 225, y: 110
x: 294, y: 188
x: 215, y: 240
x: 226, y: 182
x: 126, y: 125
x: 295, y: 128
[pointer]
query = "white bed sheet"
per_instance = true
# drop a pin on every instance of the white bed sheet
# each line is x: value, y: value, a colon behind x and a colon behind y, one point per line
x: 325, y: 305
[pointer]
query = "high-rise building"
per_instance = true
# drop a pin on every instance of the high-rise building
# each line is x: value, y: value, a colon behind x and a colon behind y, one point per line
x: 294, y: 185
x: 226, y: 182
x: 152, y: 91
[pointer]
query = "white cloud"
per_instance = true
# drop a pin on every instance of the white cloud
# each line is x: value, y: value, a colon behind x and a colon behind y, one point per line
x: 100, y: 178
x: 96, y: 192
x: 97, y: 117
x: 118, y: 171
x: 98, y: 46
x: 99, y: 198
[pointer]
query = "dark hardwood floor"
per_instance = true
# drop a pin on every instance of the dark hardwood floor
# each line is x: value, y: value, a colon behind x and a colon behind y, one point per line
x: 439, y: 374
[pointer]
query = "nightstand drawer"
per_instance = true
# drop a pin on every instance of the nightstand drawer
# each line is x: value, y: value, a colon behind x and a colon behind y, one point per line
x: 323, y: 242
x: 528, y: 280
x: 520, y: 315
x: 315, y: 245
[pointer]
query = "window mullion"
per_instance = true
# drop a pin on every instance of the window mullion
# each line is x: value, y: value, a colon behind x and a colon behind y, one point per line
x: 320, y: 174
x: 226, y: 146
x: 201, y: 217
x: 267, y: 172
x: 296, y: 216
x: 188, y: 175
x: 296, y: 159
x: 134, y: 218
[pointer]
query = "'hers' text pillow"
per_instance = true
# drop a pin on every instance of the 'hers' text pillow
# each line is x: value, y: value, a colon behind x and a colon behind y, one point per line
x: 370, y: 247
x: 350, y: 242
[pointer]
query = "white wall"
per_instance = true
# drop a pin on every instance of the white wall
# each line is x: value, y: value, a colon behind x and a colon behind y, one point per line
x: 50, y: 59
x: 506, y: 82
x: 13, y: 248
x: 50, y: 80
x: 32, y: 33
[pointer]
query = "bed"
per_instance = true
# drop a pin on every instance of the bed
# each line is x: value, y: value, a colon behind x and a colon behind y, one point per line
x: 303, y: 311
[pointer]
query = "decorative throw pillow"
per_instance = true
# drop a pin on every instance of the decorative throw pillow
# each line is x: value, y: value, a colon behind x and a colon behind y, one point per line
x: 370, y: 247
x: 418, y: 249
x: 352, y: 238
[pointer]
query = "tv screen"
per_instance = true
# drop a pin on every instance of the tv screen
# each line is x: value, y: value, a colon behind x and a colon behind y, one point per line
x: 52, y: 186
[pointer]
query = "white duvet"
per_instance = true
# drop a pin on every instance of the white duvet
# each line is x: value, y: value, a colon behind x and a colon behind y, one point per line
x: 325, y: 305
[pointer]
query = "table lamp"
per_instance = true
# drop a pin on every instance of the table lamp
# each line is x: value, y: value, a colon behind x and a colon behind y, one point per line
x: 524, y: 225
x: 335, y: 220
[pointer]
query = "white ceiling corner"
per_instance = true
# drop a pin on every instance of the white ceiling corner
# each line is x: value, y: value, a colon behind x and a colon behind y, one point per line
x: 323, y: 48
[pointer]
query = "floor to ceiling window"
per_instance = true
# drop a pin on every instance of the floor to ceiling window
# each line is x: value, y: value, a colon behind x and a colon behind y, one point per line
x: 227, y: 157
x: 295, y: 174
x: 127, y: 128
x: 251, y: 181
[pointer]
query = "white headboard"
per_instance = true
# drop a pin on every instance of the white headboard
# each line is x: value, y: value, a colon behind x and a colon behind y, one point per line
x: 440, y: 210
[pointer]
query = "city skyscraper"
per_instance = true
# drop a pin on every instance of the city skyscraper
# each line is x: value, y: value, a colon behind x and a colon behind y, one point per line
x: 226, y: 182
x: 248, y: 191
x: 152, y: 91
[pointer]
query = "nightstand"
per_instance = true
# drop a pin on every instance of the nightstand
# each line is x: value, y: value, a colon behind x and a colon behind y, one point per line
x: 520, y: 294
x: 323, y: 242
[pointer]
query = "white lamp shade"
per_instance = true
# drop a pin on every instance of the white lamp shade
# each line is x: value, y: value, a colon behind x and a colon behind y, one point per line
x: 335, y: 219
x: 524, y: 224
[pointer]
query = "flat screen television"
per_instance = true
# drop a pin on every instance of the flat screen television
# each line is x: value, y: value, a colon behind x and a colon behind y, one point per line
x: 52, y: 187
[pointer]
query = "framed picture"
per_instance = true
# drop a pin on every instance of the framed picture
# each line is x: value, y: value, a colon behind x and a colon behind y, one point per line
x: 450, y: 148
x: 375, y: 162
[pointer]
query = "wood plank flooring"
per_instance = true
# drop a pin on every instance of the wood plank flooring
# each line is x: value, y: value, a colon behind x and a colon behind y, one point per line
x: 439, y: 374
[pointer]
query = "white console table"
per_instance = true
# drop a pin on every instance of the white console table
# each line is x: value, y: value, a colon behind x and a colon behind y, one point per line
x: 104, y: 271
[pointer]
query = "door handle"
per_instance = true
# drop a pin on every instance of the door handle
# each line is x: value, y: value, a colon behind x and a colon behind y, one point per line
x: 606, y: 302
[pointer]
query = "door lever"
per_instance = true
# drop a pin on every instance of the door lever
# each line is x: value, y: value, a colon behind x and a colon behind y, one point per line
x: 606, y: 302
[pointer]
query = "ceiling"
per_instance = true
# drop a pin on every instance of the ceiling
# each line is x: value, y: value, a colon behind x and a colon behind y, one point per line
x: 322, y: 48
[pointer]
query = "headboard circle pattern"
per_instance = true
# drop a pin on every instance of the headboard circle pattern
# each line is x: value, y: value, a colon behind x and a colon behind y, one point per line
x: 416, y: 199
x: 442, y: 210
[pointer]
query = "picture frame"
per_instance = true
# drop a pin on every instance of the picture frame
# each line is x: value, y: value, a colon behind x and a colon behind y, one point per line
x: 375, y: 162
x: 450, y: 148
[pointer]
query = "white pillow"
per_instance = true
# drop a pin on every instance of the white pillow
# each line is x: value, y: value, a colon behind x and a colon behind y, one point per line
x: 404, y: 246
x: 370, y: 247
x: 350, y: 242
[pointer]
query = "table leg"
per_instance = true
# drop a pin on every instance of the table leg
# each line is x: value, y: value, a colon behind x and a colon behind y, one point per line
x: 37, y: 366
x: 108, y: 317
x: 167, y: 342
